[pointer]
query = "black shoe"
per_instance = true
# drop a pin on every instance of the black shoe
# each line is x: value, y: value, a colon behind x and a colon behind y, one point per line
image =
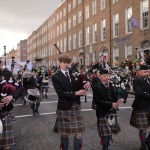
x: 34, y: 113
x: 37, y: 112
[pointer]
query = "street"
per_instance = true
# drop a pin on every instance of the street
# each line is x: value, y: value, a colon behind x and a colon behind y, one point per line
x: 36, y: 133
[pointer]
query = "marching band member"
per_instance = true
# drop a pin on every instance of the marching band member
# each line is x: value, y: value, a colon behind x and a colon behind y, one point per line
x: 140, y: 117
x: 68, y: 107
x: 43, y: 75
x: 106, y: 105
x: 9, y: 94
x: 30, y: 83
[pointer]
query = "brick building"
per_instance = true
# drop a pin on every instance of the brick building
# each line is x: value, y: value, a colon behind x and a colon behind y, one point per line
x: 85, y: 29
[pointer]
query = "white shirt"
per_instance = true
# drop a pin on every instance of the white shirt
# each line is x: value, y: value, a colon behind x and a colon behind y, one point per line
x: 64, y: 72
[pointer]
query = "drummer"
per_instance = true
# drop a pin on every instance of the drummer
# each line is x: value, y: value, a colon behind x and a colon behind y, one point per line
x: 43, y: 76
x: 30, y: 83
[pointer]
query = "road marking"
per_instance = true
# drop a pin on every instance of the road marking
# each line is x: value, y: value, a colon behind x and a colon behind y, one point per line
x: 53, y: 113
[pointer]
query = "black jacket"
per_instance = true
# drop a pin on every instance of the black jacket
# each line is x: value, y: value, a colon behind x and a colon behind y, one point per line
x: 103, y: 98
x: 142, y: 94
x: 65, y: 90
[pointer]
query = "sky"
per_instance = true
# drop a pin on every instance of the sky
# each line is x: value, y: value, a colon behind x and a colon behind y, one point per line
x: 19, y: 18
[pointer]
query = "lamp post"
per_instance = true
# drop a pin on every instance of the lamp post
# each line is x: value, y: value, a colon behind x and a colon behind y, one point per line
x: 5, y: 54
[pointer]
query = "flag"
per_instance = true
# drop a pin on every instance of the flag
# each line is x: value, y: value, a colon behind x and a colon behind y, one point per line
x: 136, y: 60
x: 134, y: 22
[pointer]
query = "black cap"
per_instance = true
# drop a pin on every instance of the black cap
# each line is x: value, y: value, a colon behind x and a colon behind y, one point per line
x: 103, y: 71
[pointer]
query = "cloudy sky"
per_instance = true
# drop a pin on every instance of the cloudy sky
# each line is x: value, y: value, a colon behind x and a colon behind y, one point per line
x: 18, y: 18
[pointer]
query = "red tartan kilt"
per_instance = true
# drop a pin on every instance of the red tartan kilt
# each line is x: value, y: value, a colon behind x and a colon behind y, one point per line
x: 140, y: 119
x: 69, y: 121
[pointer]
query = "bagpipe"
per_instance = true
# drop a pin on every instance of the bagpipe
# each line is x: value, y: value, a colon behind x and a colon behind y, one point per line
x: 81, y: 78
x: 6, y: 90
x: 118, y: 84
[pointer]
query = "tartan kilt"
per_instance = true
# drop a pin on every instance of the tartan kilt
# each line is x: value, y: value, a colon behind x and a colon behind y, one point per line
x: 104, y: 129
x: 140, y: 119
x: 8, y: 137
x: 12, y: 115
x: 69, y: 121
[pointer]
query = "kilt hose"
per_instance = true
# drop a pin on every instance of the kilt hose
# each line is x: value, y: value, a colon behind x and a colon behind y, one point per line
x: 104, y: 129
x: 7, y: 138
x: 69, y: 121
x: 140, y: 119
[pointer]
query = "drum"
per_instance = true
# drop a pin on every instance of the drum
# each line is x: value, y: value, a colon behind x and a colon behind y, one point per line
x: 1, y: 128
x: 45, y: 83
x: 32, y: 95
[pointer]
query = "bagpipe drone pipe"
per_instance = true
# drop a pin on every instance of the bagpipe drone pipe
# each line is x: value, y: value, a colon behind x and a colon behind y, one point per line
x: 118, y: 82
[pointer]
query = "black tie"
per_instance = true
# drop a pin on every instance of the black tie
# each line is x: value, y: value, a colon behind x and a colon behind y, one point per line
x: 107, y: 86
x: 66, y: 73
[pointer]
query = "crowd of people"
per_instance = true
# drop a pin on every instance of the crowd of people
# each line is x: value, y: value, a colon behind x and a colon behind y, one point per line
x: 71, y: 81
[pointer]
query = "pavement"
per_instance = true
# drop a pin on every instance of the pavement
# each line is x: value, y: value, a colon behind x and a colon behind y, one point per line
x: 36, y: 132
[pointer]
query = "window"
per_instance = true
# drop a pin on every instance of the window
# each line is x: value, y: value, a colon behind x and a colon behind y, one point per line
x: 103, y: 4
x: 57, y: 30
x: 79, y: 2
x: 69, y: 23
x: 74, y: 4
x: 128, y: 51
x: 60, y: 14
x: 95, y: 33
x: 80, y: 38
x: 87, y: 59
x: 74, y: 40
x: 60, y: 28
x: 74, y: 20
x: 144, y: 14
x: 69, y: 43
x: 114, y: 1
x: 94, y: 56
x: 87, y: 12
x: 103, y: 30
x: 128, y: 20
x: 87, y: 35
x: 57, y: 17
x: 65, y: 43
x: 65, y: 26
x: 116, y: 25
x: 69, y: 7
x: 79, y: 16
x: 94, y: 7
x: 115, y: 56
x: 64, y: 11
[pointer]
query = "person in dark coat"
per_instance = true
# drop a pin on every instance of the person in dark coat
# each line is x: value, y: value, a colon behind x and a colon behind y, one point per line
x: 107, y: 103
x: 69, y: 117
x: 9, y: 95
x: 140, y: 117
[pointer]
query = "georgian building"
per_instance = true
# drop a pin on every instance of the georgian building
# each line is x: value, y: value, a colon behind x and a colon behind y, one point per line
x: 85, y: 29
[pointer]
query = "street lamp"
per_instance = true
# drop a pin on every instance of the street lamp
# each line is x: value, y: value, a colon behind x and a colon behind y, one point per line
x: 5, y: 54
